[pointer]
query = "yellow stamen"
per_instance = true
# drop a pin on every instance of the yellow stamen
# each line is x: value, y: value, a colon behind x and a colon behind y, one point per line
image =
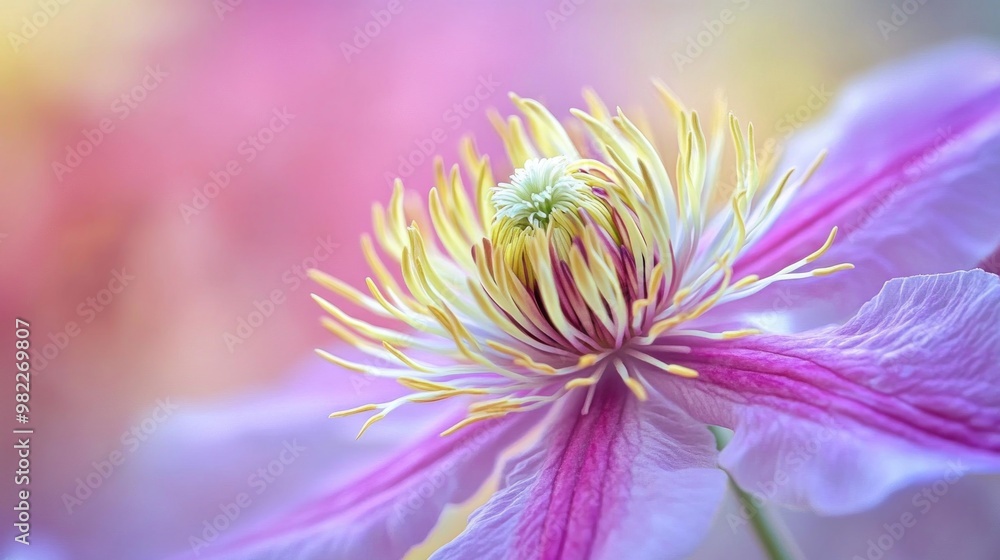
x: 637, y: 388
x: 826, y: 246
x: 368, y: 424
x: 729, y: 335
x: 831, y: 269
x: 682, y: 371
x: 580, y: 382
x: 423, y: 384
x: 597, y: 251
x: 352, y: 411
x: 471, y: 420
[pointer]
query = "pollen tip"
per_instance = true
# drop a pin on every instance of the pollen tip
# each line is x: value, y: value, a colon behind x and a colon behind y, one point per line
x: 682, y: 371
x: 729, y: 335
x: 636, y: 386
x: 355, y: 410
x: 832, y: 269
x: 368, y: 423
x: 586, y: 360
x: 579, y: 382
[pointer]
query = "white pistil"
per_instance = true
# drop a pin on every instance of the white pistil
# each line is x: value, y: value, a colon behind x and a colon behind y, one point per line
x: 537, y: 190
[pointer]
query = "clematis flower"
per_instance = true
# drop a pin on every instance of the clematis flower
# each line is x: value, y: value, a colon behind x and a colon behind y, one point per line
x: 606, y: 303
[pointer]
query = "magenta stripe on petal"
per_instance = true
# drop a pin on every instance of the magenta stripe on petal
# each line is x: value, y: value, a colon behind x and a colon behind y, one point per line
x: 859, y: 199
x: 910, y: 180
x: 589, y: 466
x: 628, y: 479
x: 396, y: 504
x: 910, y: 383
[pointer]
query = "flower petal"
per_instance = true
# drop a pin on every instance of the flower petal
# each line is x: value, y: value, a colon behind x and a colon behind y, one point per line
x: 945, y: 519
x: 910, y: 179
x: 928, y: 522
x: 836, y: 419
x: 395, y: 505
x: 201, y: 454
x: 628, y: 478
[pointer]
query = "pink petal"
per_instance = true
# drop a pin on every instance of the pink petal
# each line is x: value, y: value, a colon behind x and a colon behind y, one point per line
x: 921, y: 522
x: 914, y: 153
x: 202, y: 455
x: 628, y: 479
x: 394, y: 505
x: 377, y: 495
x: 927, y: 521
x: 836, y: 419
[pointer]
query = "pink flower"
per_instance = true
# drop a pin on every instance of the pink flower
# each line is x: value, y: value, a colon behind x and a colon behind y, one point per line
x: 602, y: 310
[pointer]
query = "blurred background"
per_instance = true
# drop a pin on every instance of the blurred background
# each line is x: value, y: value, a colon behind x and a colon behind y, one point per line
x: 171, y: 168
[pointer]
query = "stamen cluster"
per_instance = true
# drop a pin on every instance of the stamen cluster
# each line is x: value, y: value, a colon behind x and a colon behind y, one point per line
x: 591, y: 259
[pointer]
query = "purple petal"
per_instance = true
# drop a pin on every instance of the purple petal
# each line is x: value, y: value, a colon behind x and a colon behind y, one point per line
x: 942, y: 519
x: 836, y: 419
x: 955, y: 521
x: 914, y: 153
x: 203, y: 455
x: 628, y: 478
x: 395, y: 505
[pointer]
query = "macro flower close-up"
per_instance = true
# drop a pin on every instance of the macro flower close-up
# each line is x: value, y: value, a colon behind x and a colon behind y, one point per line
x: 582, y: 304
x: 632, y: 322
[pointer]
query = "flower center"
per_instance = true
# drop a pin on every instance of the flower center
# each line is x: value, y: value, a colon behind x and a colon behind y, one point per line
x: 536, y: 191
x: 592, y: 260
x: 544, y: 203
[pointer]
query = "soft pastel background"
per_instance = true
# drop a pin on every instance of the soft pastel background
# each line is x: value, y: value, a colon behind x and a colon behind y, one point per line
x: 215, y: 73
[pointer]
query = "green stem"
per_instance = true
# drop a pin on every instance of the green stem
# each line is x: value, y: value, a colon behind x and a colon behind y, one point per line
x: 772, y: 535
